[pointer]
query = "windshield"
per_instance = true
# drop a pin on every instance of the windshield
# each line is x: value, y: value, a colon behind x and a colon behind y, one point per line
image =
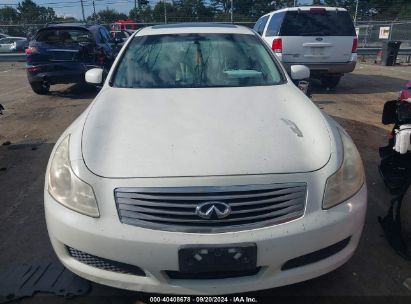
x: 196, y: 60
x: 317, y: 23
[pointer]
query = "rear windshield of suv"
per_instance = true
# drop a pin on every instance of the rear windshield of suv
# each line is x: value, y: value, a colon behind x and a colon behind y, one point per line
x: 65, y: 36
x: 318, y: 23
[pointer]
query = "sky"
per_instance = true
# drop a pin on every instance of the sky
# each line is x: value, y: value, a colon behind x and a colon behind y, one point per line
x: 72, y: 8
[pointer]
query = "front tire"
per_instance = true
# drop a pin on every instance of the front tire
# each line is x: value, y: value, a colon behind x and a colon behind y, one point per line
x: 41, y: 88
x: 330, y: 82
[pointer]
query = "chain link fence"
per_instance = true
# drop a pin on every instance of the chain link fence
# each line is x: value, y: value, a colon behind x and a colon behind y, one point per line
x: 28, y: 30
x: 368, y: 32
x: 372, y: 34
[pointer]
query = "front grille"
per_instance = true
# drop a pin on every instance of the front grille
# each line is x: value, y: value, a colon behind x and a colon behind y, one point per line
x: 174, y: 209
x: 104, y: 264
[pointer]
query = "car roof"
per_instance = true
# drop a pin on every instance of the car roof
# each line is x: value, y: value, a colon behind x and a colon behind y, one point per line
x: 194, y: 28
x: 307, y: 8
x: 73, y: 25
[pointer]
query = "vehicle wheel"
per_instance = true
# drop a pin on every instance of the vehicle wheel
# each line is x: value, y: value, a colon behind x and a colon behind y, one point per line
x: 41, y: 88
x: 330, y: 81
x: 405, y: 218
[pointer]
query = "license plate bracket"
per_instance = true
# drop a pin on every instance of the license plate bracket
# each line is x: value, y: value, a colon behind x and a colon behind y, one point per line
x: 217, y: 258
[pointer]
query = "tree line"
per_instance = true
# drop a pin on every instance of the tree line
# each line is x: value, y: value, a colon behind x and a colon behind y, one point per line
x: 28, y: 12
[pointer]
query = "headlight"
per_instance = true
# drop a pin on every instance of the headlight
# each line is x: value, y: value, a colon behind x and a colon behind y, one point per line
x: 66, y: 188
x: 348, y: 179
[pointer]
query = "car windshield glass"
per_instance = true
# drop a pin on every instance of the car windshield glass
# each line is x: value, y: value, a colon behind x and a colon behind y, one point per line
x: 317, y: 23
x: 64, y: 36
x: 196, y: 60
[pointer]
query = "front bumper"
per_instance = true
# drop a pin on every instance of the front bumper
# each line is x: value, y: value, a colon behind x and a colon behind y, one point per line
x: 157, y: 251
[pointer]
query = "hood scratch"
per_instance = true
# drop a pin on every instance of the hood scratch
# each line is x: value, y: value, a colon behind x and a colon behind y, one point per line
x: 293, y: 127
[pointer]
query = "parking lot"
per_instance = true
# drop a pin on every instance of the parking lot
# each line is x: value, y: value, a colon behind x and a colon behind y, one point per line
x: 33, y: 123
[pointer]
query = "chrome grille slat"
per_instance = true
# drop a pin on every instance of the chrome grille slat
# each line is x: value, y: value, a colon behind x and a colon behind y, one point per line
x: 174, y: 209
x: 146, y: 210
x: 195, y: 202
x: 205, y: 229
x: 143, y: 216
x: 207, y: 198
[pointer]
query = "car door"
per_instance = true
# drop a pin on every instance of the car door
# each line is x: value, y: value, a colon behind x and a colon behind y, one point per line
x: 5, y: 44
x: 107, y: 43
x: 317, y: 35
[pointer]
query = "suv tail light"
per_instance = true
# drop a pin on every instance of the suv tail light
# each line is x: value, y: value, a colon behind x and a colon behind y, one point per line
x: 277, y: 45
x: 31, y: 50
x: 354, y: 45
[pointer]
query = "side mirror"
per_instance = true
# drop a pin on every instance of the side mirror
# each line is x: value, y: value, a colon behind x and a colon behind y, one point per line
x: 300, y: 72
x: 94, y: 76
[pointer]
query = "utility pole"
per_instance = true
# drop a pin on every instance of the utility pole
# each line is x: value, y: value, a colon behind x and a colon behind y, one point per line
x: 82, y: 10
x: 165, y: 11
x: 295, y: 3
x: 356, y: 11
x: 231, y: 11
x: 94, y: 9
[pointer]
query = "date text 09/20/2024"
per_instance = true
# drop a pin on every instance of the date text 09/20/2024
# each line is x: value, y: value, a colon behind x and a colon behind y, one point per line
x: 199, y: 299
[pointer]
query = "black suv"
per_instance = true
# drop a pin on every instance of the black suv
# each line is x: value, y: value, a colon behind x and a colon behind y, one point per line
x: 62, y: 53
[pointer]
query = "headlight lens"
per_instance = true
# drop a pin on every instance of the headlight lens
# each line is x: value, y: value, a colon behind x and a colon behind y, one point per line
x: 66, y: 188
x: 348, y: 179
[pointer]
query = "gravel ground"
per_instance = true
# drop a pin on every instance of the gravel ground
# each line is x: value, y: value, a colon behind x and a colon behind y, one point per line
x: 32, y: 124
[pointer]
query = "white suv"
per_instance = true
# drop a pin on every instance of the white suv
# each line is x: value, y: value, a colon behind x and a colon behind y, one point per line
x: 322, y: 38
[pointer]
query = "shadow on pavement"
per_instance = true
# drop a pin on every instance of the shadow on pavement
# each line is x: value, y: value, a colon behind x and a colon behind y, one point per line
x: 361, y: 84
x: 76, y: 91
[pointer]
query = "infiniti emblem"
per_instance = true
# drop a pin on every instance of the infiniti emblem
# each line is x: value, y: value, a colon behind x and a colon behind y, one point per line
x: 319, y: 39
x: 216, y: 209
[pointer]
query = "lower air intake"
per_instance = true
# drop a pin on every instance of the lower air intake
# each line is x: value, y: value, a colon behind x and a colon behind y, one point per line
x: 104, y: 264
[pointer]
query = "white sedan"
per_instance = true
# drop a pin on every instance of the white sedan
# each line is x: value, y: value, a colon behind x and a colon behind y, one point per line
x: 200, y: 168
x: 13, y: 44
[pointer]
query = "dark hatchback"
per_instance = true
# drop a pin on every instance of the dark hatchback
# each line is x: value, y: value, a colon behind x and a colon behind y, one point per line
x: 62, y: 53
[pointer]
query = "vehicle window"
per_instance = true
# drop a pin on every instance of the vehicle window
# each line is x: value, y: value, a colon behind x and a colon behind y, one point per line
x: 64, y: 36
x: 259, y: 28
x: 318, y: 23
x: 104, y: 36
x: 274, y: 24
x: 196, y: 60
x: 257, y: 24
x: 120, y: 35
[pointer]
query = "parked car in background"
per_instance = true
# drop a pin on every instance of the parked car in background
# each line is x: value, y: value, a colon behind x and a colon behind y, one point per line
x: 62, y: 53
x: 13, y: 44
x: 200, y: 168
x: 19, y: 45
x: 322, y: 38
x: 122, y: 35
x: 120, y: 25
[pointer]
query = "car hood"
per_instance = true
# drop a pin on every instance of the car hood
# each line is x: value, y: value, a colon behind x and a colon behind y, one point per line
x: 204, y: 132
